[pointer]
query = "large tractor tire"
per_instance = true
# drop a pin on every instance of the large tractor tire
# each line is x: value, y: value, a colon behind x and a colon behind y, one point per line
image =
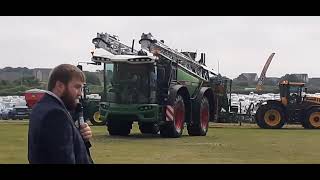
x: 96, y: 119
x: 119, y: 128
x: 312, y: 120
x: 270, y: 116
x: 149, y: 128
x: 200, y: 124
x: 174, y: 129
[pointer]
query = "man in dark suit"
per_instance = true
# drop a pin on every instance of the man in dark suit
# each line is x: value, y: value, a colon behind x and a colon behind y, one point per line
x: 53, y: 136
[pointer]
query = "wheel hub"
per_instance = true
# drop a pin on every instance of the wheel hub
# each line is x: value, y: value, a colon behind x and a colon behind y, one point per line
x: 272, y: 117
x: 314, y: 119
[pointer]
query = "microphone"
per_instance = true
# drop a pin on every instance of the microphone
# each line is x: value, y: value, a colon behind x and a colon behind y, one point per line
x: 79, y: 110
x: 81, y: 118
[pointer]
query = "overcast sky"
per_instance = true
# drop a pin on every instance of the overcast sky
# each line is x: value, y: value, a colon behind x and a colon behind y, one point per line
x: 240, y: 44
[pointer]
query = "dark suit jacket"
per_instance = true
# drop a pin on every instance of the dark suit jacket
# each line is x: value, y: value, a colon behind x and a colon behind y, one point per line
x: 53, y: 137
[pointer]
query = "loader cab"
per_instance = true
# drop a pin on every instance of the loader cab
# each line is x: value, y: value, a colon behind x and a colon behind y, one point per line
x: 291, y: 92
x: 132, y: 83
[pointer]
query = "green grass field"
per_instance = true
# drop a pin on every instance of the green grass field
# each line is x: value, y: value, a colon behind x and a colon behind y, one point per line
x: 224, y: 143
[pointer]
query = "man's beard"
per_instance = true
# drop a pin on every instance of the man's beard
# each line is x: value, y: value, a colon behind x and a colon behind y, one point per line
x: 68, y: 100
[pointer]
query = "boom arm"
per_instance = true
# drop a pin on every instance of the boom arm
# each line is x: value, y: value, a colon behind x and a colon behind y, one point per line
x: 156, y: 47
x: 109, y: 49
x: 263, y: 73
x: 112, y: 44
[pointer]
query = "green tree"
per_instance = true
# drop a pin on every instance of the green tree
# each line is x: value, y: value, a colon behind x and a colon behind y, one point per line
x: 290, y: 78
x: 27, y: 81
x: 4, y: 83
x: 269, y: 82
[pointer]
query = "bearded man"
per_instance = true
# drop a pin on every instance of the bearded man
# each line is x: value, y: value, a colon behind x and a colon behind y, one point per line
x: 53, y: 137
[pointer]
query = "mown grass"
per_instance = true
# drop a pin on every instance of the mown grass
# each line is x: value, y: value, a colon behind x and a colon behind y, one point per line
x: 229, y: 143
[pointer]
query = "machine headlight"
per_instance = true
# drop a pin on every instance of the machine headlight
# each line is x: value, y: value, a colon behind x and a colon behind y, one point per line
x: 144, y: 108
x: 104, y: 106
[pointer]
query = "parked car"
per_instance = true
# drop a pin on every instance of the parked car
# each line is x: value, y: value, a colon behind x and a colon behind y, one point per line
x: 6, y: 113
x: 1, y: 112
x: 2, y: 107
x: 20, y: 112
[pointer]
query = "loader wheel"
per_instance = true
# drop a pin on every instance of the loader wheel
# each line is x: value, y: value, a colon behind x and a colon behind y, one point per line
x: 96, y: 119
x: 201, y: 123
x: 149, y: 128
x: 312, y: 120
x: 174, y: 129
x: 270, y: 116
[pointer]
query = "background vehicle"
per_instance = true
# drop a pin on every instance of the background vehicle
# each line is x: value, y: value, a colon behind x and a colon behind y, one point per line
x: 20, y: 112
x: 292, y: 107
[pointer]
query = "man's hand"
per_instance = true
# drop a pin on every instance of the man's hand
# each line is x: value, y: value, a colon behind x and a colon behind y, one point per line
x: 85, y: 131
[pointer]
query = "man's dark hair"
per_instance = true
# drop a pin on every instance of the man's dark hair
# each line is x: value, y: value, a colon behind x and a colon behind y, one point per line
x: 64, y: 73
